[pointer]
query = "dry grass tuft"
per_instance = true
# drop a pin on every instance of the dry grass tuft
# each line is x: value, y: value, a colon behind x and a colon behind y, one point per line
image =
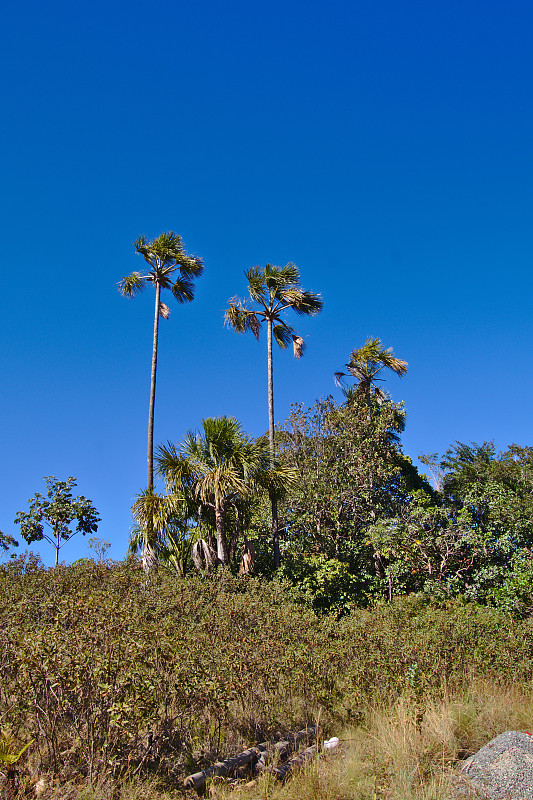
x: 405, y: 752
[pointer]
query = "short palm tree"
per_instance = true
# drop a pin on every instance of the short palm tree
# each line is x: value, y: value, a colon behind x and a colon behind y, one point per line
x: 161, y: 530
x: 365, y: 364
x: 273, y: 291
x: 170, y: 268
x: 221, y: 464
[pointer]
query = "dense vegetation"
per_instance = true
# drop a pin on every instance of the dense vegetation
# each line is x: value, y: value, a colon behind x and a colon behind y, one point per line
x: 359, y: 522
x: 362, y: 510
x: 112, y: 674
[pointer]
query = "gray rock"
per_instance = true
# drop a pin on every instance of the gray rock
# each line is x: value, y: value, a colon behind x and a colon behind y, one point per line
x: 501, y: 770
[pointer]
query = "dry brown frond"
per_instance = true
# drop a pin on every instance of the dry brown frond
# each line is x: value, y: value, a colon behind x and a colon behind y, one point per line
x: 164, y: 310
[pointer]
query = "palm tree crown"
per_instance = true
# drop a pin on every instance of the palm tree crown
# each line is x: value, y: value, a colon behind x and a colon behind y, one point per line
x: 274, y: 290
x: 366, y: 363
x: 166, y: 257
x: 162, y: 530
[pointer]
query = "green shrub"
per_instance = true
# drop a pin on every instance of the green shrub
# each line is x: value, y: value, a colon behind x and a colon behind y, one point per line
x: 323, y: 584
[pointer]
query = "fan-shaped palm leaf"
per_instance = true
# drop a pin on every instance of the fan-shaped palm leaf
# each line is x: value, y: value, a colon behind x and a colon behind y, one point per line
x: 241, y: 318
x: 132, y: 284
x: 183, y: 290
x: 283, y: 335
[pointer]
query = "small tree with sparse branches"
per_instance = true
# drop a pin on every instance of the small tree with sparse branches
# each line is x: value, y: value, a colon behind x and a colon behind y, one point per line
x: 57, y: 511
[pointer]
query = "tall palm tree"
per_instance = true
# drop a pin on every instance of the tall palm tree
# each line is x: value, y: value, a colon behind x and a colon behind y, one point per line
x: 365, y: 364
x: 273, y: 290
x: 221, y: 463
x: 170, y: 268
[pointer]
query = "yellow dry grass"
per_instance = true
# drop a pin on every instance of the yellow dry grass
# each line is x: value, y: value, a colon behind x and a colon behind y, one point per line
x: 405, y: 752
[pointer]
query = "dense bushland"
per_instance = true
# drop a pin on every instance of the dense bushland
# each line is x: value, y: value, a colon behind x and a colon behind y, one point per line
x: 112, y: 674
x: 357, y: 521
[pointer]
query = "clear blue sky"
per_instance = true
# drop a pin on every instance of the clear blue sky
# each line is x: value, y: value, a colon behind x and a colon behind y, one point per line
x: 385, y: 147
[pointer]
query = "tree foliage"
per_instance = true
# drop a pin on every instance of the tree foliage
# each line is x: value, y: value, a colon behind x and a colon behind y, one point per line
x: 163, y: 530
x: 220, y: 469
x: 351, y: 473
x: 6, y: 543
x: 474, y: 539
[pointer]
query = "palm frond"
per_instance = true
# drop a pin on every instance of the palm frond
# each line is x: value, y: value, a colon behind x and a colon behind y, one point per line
x: 132, y: 284
x: 241, y: 318
x: 298, y: 345
x: 166, y: 458
x: 397, y: 365
x: 283, y: 335
x: 223, y: 434
x: 302, y: 302
x: 256, y: 283
x: 170, y: 463
x: 366, y: 363
x: 137, y: 540
x: 166, y: 254
x: 141, y: 245
x: 364, y: 371
x: 164, y: 249
x: 150, y: 513
x: 183, y: 290
x: 351, y: 393
x: 289, y: 274
x: 190, y: 266
x: 338, y: 376
x: 278, y: 480
x: 373, y: 353
x: 168, y: 242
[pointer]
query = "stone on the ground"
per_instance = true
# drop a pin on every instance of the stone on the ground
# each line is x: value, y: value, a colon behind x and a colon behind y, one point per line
x: 501, y: 770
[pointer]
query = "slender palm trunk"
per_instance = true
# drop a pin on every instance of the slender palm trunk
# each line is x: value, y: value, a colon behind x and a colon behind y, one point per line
x: 148, y: 557
x: 270, y: 392
x: 221, y: 535
x: 273, y: 498
x: 150, y: 471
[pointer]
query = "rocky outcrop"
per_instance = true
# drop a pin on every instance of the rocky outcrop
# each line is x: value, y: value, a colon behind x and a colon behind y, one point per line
x: 501, y: 770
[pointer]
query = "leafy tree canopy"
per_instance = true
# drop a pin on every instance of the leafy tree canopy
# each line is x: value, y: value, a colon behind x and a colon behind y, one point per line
x: 351, y: 473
